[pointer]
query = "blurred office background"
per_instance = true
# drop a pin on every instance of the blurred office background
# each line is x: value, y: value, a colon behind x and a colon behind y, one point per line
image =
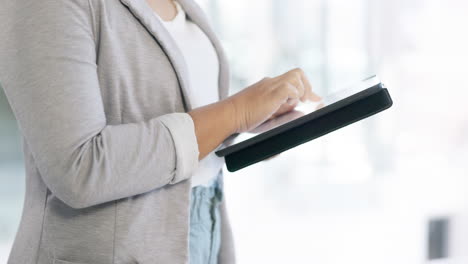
x: 390, y: 189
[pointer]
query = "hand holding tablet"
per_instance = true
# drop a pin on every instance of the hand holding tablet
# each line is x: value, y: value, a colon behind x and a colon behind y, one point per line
x: 306, y: 123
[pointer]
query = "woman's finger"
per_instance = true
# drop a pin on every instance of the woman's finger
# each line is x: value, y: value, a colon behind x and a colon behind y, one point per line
x: 293, y: 94
x: 294, y: 78
x: 314, y: 97
x: 307, y: 87
x: 308, y: 94
x: 320, y: 106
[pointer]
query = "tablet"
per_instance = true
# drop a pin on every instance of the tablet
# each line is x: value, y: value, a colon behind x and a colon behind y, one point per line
x: 307, y: 122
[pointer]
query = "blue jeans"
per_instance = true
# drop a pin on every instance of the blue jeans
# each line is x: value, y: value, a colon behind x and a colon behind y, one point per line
x: 205, y: 224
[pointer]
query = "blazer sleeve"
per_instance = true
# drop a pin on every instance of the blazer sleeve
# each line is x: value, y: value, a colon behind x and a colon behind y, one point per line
x: 49, y: 73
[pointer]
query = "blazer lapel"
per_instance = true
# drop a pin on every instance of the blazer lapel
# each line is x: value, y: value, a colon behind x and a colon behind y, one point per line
x: 143, y: 12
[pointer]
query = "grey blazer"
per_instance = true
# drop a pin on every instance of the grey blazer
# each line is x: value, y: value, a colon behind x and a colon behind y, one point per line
x: 100, y: 93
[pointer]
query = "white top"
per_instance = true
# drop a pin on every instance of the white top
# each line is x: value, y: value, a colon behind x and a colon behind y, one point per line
x: 203, y: 68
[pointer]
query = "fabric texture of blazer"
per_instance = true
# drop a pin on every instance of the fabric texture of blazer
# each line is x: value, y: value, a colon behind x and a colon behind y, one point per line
x: 99, y: 90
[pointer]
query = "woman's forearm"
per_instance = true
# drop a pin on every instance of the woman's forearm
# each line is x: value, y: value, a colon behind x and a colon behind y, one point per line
x: 213, y: 124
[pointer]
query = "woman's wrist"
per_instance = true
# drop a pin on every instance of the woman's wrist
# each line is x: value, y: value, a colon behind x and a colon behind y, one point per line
x: 232, y: 114
x: 214, y: 123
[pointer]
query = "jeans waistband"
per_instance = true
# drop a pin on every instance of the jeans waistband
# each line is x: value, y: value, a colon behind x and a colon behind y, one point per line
x: 213, y: 191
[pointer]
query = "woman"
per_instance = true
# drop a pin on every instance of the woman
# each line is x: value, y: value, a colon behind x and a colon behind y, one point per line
x: 121, y: 105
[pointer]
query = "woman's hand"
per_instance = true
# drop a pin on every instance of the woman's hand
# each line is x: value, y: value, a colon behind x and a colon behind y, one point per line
x: 269, y: 98
x: 249, y: 108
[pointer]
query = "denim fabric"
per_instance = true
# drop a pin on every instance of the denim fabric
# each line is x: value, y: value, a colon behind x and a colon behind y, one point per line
x: 205, y: 224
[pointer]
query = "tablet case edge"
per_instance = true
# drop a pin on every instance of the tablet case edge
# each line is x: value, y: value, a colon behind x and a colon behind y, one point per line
x: 358, y: 110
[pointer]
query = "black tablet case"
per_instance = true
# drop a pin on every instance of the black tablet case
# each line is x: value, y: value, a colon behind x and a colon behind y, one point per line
x: 312, y: 126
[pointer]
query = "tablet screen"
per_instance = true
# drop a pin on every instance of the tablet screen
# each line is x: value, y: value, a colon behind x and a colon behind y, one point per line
x: 306, y: 108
